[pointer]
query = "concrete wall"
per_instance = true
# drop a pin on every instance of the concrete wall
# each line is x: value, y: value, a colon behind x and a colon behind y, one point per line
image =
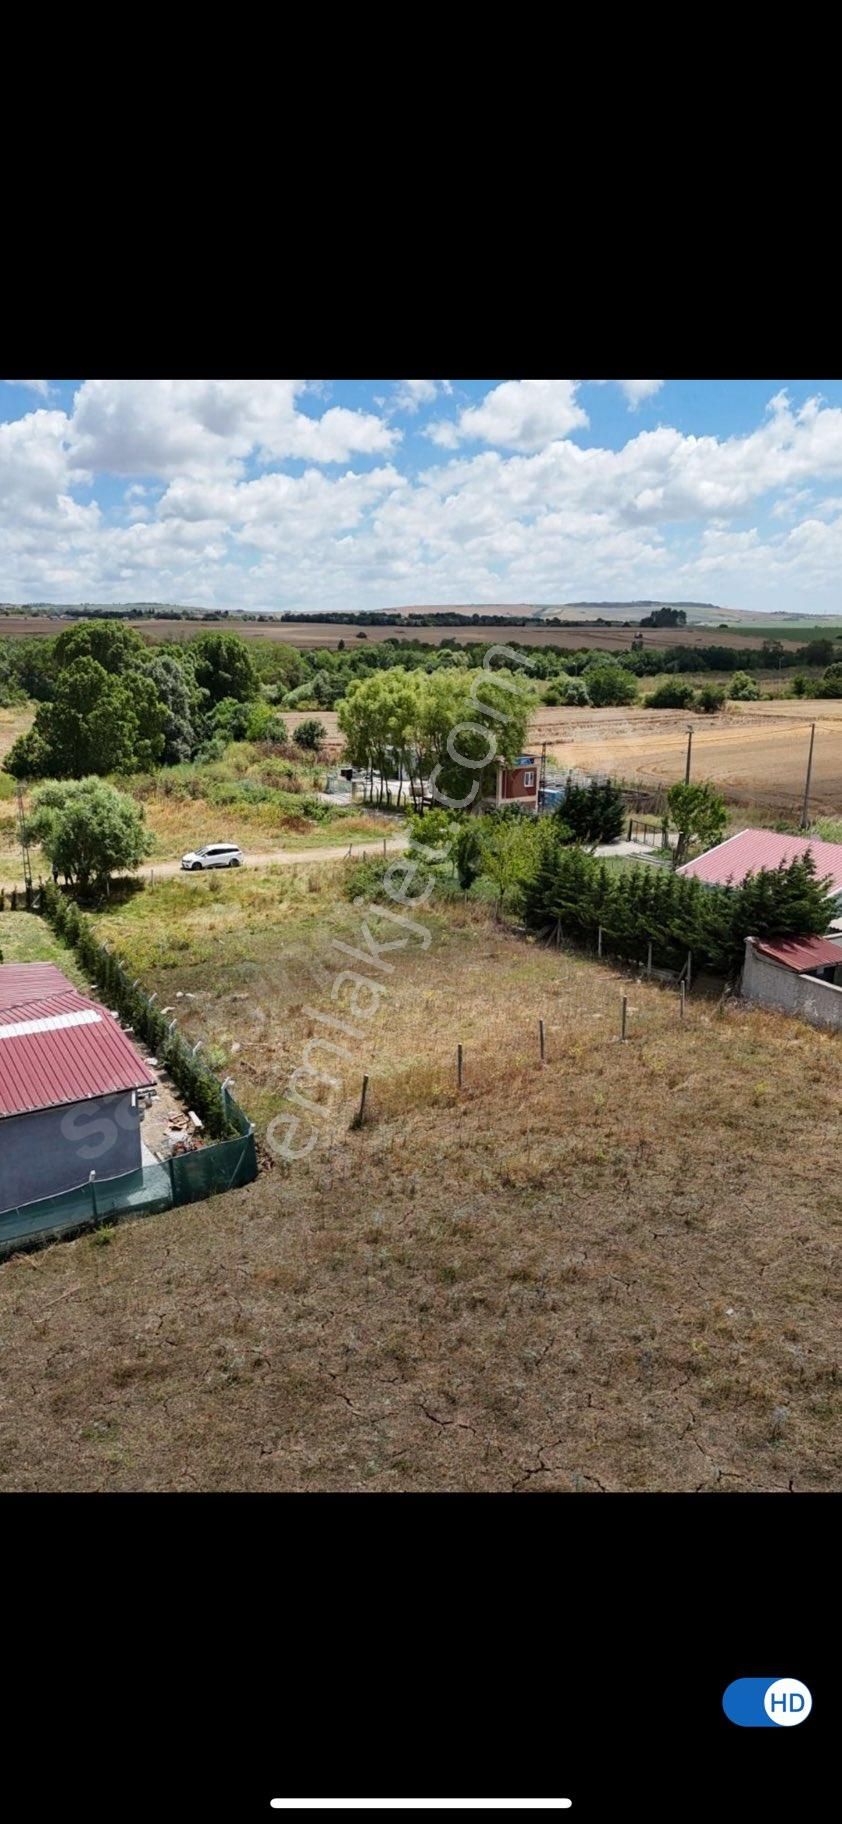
x: 771, y: 984
x: 56, y: 1149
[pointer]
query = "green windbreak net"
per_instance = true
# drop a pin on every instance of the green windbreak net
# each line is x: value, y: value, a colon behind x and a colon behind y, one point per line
x: 139, y: 1192
x: 213, y: 1168
x: 187, y: 1178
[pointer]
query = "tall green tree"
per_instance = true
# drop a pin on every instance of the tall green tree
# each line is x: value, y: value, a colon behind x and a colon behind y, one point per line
x: 593, y: 813
x: 97, y: 722
x: 88, y: 830
x: 508, y: 847
x: 114, y: 646
x: 182, y: 701
x: 224, y: 667
x: 699, y: 815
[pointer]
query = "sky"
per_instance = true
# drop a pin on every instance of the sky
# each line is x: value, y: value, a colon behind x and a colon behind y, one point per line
x: 319, y: 495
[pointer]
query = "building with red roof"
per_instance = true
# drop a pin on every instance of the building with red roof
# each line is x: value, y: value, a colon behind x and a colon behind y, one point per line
x: 72, y: 1088
x: 728, y: 864
x: 800, y: 975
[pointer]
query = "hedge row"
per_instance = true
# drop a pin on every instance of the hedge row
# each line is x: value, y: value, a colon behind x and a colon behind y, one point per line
x: 675, y: 913
x: 195, y: 1082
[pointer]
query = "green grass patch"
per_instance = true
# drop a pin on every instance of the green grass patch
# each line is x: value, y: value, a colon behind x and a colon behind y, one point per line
x: 27, y: 938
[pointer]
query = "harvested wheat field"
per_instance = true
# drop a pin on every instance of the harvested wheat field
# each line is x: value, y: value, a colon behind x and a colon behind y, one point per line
x: 310, y: 633
x: 613, y: 1273
x: 755, y: 752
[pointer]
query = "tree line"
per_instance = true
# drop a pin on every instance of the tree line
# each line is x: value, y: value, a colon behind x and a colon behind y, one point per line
x: 571, y: 891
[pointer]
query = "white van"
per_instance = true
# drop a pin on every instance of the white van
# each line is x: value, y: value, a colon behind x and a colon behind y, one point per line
x: 214, y: 855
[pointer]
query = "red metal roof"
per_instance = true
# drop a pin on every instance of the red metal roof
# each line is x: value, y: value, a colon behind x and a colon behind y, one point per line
x: 751, y: 850
x: 64, y: 1049
x: 20, y: 982
x: 801, y: 952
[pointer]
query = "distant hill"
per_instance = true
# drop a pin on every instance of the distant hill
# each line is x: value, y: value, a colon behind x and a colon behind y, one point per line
x: 699, y: 614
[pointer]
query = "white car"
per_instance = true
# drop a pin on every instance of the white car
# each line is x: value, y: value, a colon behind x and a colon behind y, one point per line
x: 214, y: 855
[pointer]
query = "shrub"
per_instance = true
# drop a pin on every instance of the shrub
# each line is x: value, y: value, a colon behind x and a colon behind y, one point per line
x: 675, y: 913
x: 591, y: 813
x: 311, y: 734
x: 710, y: 699
x: 364, y: 879
x: 673, y: 694
x: 744, y: 689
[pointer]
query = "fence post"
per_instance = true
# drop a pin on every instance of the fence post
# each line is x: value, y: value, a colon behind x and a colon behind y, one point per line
x: 541, y: 1039
x: 681, y: 991
x: 599, y: 941
x: 649, y: 958
x: 689, y: 967
x: 459, y: 1066
x: 360, y: 1115
x: 171, y: 1170
x: 629, y: 831
x: 92, y: 1183
x: 623, y: 1018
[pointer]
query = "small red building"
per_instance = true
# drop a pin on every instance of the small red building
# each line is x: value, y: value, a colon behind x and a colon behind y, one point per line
x: 517, y: 784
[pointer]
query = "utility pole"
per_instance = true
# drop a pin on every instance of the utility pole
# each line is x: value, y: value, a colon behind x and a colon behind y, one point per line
x: 24, y: 845
x: 542, y: 778
x: 687, y: 764
x: 805, y: 814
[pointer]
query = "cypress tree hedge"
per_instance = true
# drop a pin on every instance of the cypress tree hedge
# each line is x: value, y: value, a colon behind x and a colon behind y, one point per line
x: 195, y: 1082
x: 675, y: 913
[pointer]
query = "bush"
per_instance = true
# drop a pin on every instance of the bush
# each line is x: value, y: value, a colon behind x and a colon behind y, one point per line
x: 609, y: 685
x: 311, y: 734
x: 671, y: 695
x: 831, y: 682
x: 744, y: 689
x: 364, y: 879
x: 591, y: 813
x: 710, y: 699
x: 567, y: 887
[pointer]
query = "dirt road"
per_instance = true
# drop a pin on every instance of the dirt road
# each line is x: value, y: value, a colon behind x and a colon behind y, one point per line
x: 267, y: 858
x: 290, y: 858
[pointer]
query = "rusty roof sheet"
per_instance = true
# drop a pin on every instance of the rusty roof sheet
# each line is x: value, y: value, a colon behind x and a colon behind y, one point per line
x: 801, y: 952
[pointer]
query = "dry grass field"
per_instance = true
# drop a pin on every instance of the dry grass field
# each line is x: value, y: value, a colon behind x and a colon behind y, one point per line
x: 615, y: 1273
x: 313, y: 633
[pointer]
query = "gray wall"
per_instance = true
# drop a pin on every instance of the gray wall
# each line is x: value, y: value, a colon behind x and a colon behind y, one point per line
x: 56, y: 1149
x: 771, y: 984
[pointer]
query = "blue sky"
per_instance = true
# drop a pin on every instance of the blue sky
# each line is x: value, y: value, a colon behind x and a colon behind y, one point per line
x: 348, y: 494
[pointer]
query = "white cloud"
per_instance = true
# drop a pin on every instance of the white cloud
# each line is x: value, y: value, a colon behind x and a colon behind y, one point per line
x: 540, y: 518
x: 42, y: 387
x: 638, y: 390
x: 173, y: 427
x: 410, y: 395
x: 517, y: 415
